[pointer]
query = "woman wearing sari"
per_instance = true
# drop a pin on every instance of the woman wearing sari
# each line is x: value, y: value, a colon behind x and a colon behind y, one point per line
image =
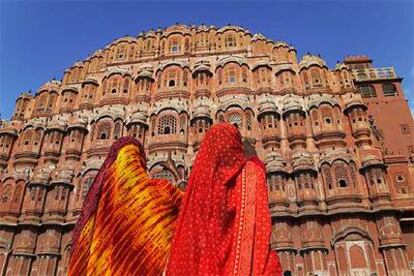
x: 127, y: 218
x: 223, y: 226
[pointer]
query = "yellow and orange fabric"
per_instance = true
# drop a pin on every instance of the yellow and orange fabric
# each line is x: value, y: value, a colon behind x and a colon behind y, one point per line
x: 127, y: 221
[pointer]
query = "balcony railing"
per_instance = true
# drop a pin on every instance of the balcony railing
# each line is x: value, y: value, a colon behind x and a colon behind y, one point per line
x: 382, y: 73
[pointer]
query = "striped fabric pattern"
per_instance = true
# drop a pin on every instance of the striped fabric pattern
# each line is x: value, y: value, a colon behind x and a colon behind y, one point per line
x: 129, y: 231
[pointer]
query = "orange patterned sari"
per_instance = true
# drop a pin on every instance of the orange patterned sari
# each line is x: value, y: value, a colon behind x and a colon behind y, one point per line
x: 224, y: 225
x: 127, y: 220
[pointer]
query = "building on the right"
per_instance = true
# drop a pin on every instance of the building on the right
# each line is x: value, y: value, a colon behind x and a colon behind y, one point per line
x: 392, y: 126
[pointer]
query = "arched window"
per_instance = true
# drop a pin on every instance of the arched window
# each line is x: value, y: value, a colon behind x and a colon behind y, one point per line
x: 230, y: 41
x: 220, y: 76
x: 244, y: 74
x: 182, y: 123
x: 117, y: 130
x: 235, y: 118
x: 185, y: 78
x: 113, y: 87
x: 367, y: 91
x: 187, y: 44
x: 126, y: 86
x: 175, y: 46
x: 249, y: 121
x: 389, y: 89
x: 340, y: 170
x: 231, y: 75
x: 316, y: 76
x: 326, y: 172
x: 104, y: 131
x: 167, y: 124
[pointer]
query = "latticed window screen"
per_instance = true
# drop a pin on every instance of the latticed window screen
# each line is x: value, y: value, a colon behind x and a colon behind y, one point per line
x: 230, y: 41
x: 167, y: 124
x: 249, y: 120
x: 340, y: 170
x: 352, y: 173
x: 153, y: 123
x: 326, y: 172
x: 182, y: 123
x: 117, y: 130
x: 235, y: 118
x: 104, y: 130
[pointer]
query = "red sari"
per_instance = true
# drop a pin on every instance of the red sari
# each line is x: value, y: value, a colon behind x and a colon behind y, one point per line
x: 224, y: 223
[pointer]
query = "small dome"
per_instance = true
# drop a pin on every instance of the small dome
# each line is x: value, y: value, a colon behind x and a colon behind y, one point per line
x: 274, y: 162
x: 309, y: 60
x: 303, y: 161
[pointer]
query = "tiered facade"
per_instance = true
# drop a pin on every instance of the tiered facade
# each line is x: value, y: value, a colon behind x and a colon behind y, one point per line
x: 341, y: 189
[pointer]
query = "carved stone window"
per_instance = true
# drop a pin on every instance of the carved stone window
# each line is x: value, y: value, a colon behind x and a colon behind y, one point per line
x: 104, y: 131
x: 167, y: 124
x: 231, y: 75
x: 230, y: 41
x: 235, y: 118
x: 117, y: 130
x: 175, y: 46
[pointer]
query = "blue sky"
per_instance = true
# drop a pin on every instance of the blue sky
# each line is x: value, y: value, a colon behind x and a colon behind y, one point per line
x: 39, y: 40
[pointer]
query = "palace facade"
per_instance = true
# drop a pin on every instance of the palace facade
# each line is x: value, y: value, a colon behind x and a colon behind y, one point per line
x: 338, y: 144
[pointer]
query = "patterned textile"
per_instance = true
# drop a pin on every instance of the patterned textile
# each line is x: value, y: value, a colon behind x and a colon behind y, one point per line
x: 224, y: 224
x: 127, y: 220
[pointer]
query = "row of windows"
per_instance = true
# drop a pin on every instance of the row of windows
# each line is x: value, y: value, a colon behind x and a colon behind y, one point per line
x: 368, y: 91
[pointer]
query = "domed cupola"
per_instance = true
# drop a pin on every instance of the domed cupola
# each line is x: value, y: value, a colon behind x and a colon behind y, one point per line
x: 233, y: 75
x: 326, y: 120
x: 36, y: 193
x: 144, y: 82
x: 22, y: 106
x: 295, y: 120
x: 8, y: 136
x: 305, y: 176
x: 343, y: 77
x: 340, y: 179
x: 116, y: 86
x: 314, y: 74
x: 136, y: 124
x: 53, y: 140
x: 269, y: 118
x: 356, y: 112
x: 374, y: 170
x: 277, y: 176
x: 201, y: 122
x: 88, y: 93
x: 202, y: 77
x: 262, y: 77
x: 77, y: 130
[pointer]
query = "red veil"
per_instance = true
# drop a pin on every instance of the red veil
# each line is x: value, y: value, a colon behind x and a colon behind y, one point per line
x: 224, y: 223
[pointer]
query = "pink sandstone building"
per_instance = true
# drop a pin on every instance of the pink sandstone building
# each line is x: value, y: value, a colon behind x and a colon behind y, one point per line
x: 338, y: 144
